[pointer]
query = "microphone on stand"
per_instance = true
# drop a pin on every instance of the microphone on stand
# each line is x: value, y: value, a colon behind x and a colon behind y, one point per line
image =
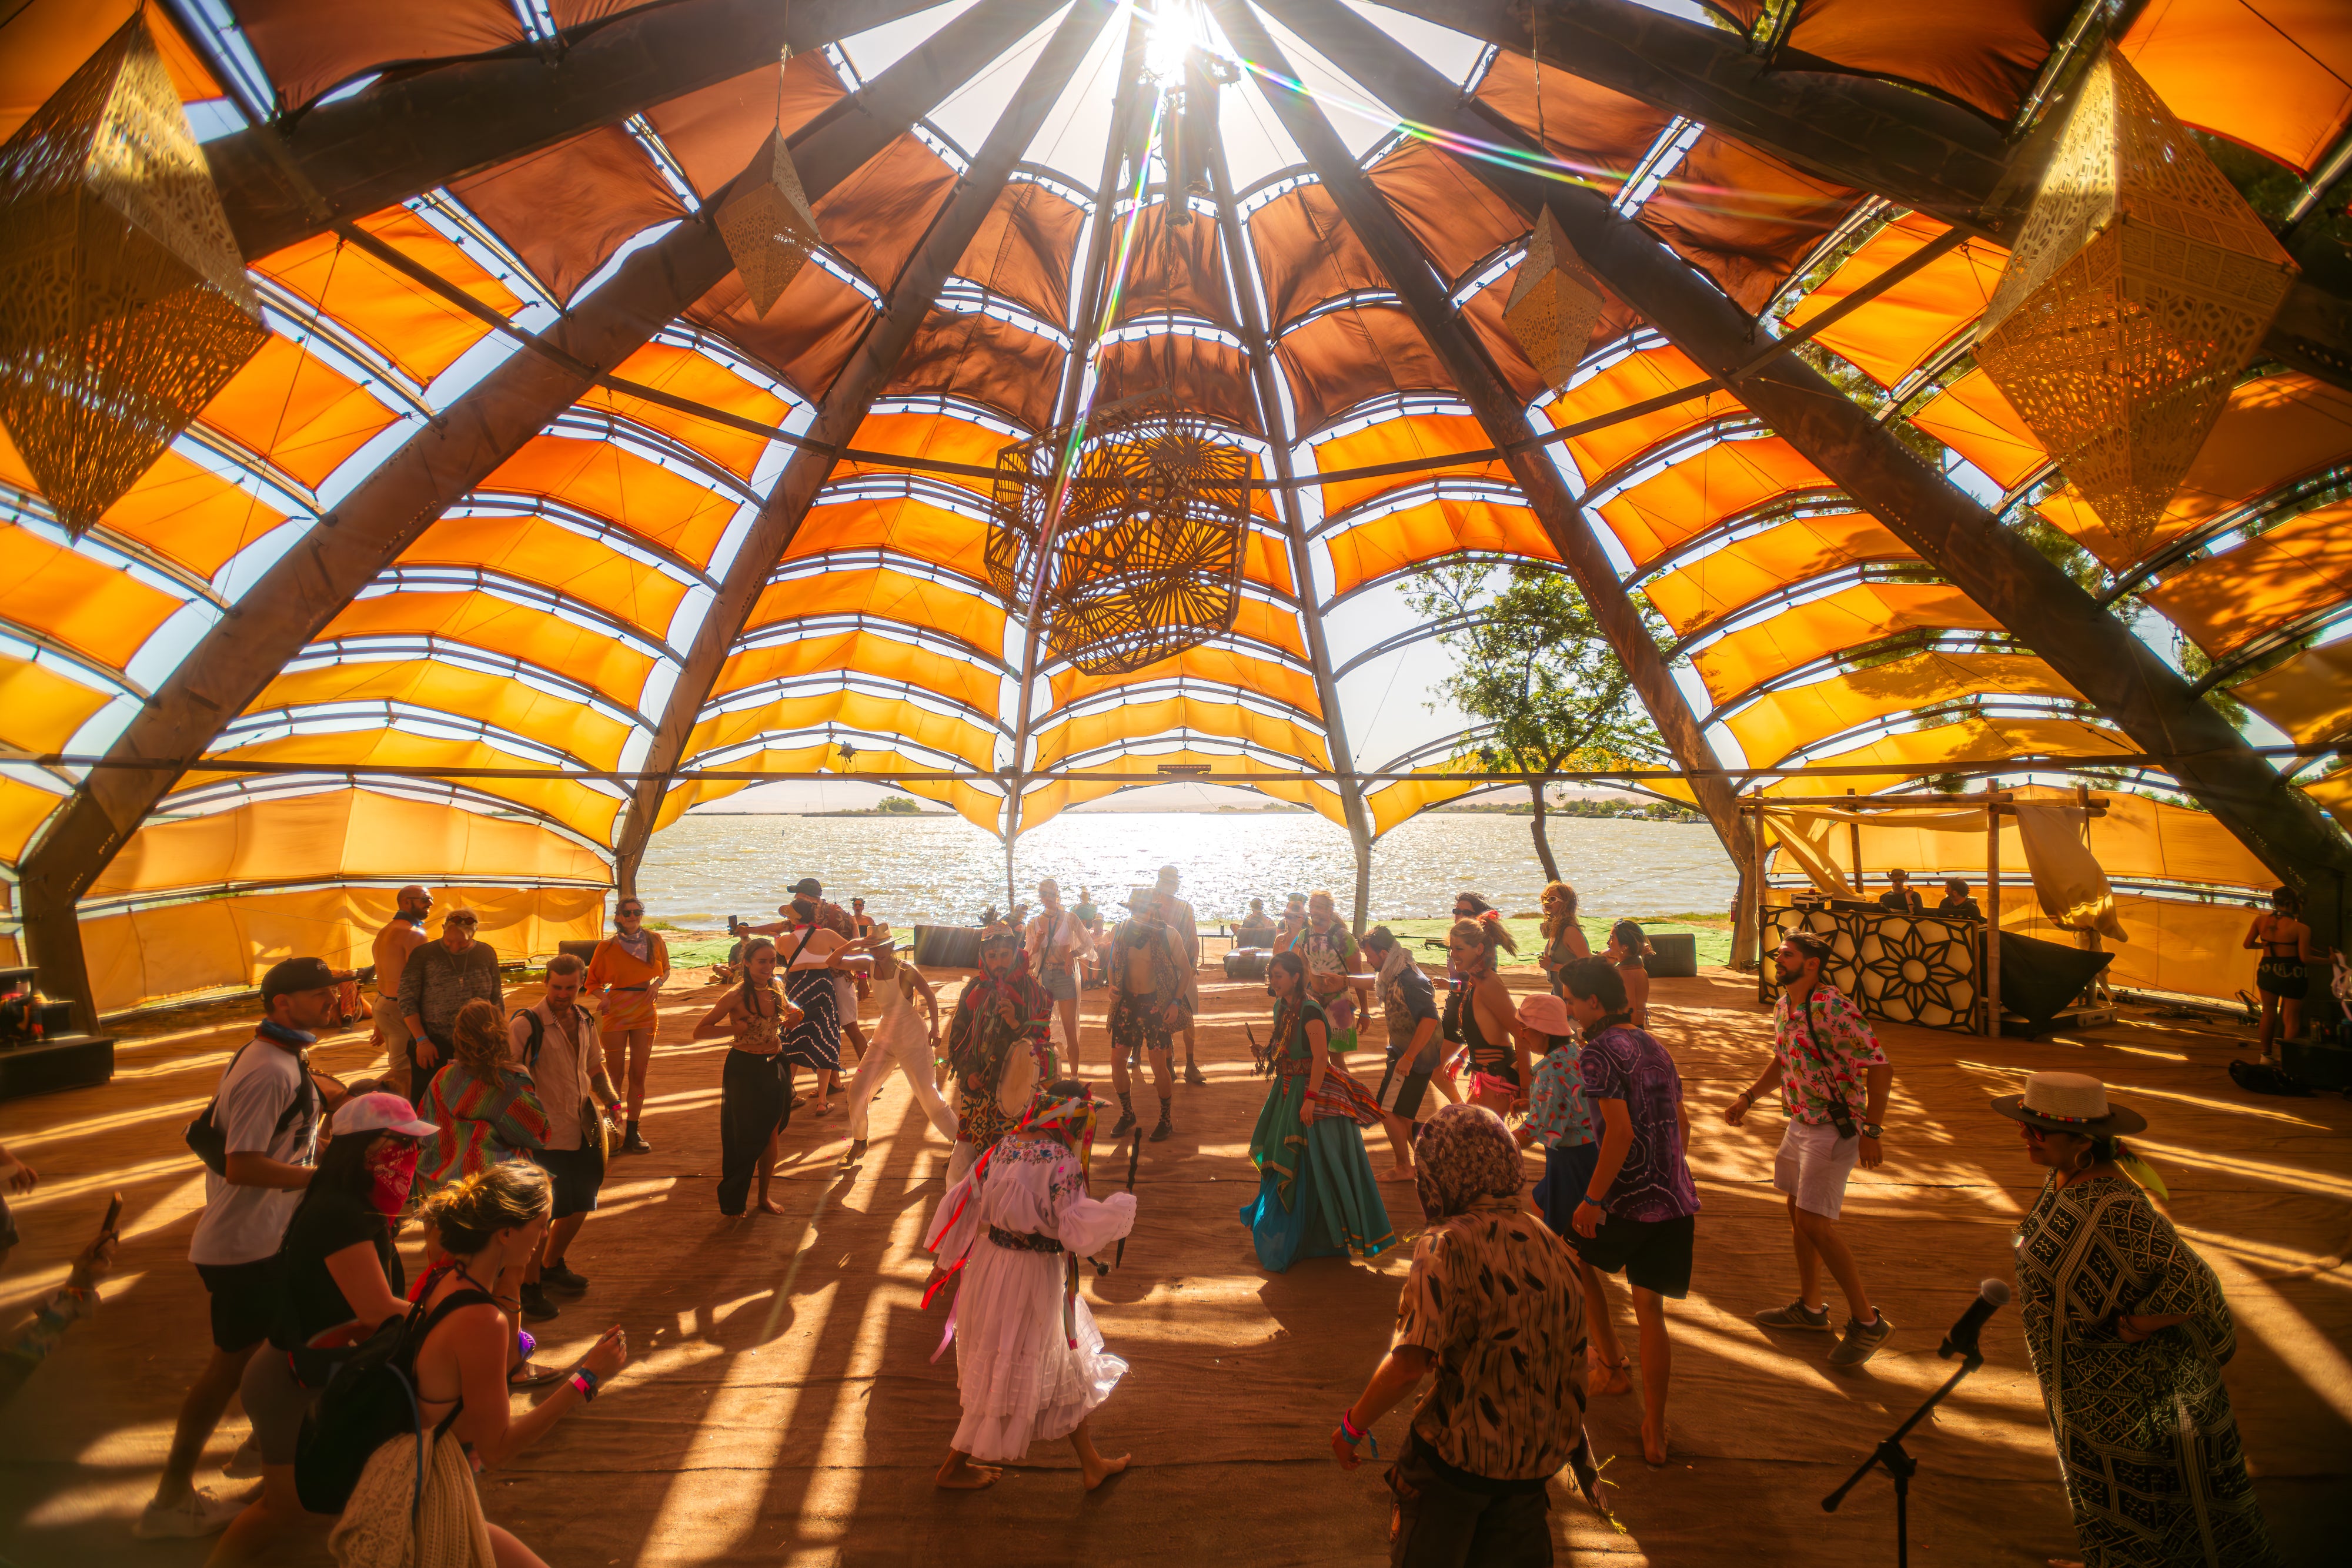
x: 1991, y: 1296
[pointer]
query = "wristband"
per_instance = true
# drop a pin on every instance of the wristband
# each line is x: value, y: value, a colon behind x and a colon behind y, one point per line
x: 1355, y: 1434
x: 1596, y: 1203
x: 585, y: 1381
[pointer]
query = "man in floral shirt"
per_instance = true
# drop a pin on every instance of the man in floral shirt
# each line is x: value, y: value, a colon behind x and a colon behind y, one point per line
x: 1824, y: 1060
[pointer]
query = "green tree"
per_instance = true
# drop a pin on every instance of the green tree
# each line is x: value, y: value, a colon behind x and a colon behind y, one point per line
x: 1535, y: 669
x: 898, y: 805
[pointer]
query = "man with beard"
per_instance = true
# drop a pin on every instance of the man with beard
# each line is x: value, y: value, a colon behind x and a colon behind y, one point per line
x: 1185, y: 922
x: 439, y: 979
x: 402, y: 935
x: 1001, y: 1008
x: 1147, y: 1004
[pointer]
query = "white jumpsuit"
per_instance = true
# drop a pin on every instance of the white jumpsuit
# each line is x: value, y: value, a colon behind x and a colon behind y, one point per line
x: 899, y: 1040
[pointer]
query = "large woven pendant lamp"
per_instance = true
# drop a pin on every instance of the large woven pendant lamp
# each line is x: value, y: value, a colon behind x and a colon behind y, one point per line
x: 2140, y: 286
x: 124, y: 307
x: 1554, y: 303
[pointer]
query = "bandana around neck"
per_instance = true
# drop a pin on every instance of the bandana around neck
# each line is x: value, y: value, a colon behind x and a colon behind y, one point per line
x: 392, y: 1168
x: 272, y: 1029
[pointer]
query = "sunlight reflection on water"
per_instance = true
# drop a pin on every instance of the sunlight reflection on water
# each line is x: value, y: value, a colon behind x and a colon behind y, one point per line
x: 941, y: 868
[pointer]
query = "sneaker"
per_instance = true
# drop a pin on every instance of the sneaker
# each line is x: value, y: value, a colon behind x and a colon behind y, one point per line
x: 1795, y: 1315
x: 634, y: 1143
x: 193, y: 1517
x: 560, y: 1277
x: 1126, y: 1124
x: 1165, y: 1126
x: 1195, y: 1076
x: 1858, y: 1344
x: 246, y: 1463
x: 536, y: 1307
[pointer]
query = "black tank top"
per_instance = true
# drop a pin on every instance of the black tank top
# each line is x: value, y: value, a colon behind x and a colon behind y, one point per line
x: 1501, y: 1060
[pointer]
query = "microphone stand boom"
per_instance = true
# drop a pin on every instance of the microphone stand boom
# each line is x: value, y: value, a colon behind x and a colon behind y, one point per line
x: 1900, y: 1466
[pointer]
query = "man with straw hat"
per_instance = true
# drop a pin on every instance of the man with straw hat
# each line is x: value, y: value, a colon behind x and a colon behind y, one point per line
x: 2128, y: 1332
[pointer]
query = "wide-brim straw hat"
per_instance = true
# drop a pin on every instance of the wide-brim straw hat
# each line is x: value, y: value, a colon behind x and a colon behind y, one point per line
x: 2069, y: 1102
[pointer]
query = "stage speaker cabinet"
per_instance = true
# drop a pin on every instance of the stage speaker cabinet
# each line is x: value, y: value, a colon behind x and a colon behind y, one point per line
x: 1673, y: 956
x: 584, y: 951
x: 1247, y: 963
x: 39, y: 1052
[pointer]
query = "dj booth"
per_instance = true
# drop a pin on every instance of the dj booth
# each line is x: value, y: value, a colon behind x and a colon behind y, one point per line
x: 40, y: 1050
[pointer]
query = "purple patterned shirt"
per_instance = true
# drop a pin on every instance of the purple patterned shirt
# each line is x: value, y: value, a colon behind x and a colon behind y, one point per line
x: 1622, y: 1063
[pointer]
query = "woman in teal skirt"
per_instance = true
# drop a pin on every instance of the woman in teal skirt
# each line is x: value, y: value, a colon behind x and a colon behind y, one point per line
x: 1316, y: 1196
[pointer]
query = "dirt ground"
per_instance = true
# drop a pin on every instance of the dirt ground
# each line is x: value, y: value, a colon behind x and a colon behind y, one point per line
x: 784, y: 1406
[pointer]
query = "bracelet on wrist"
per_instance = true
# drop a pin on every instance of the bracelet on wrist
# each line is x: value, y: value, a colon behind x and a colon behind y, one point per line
x: 1355, y: 1434
x: 585, y: 1382
x: 1596, y: 1203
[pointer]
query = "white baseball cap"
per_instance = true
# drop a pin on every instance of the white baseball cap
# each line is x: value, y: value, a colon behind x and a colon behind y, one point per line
x: 383, y: 1112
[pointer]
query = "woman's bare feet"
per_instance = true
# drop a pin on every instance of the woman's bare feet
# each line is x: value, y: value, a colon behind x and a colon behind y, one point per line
x: 1101, y: 1470
x: 1399, y: 1173
x: 959, y: 1474
x: 1611, y: 1378
x: 1653, y: 1448
x: 769, y: 1206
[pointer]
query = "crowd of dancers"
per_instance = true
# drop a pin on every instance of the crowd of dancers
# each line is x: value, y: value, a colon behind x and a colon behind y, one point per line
x: 494, y: 1132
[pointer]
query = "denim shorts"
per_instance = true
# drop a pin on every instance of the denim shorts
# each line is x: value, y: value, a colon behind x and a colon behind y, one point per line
x: 1059, y: 984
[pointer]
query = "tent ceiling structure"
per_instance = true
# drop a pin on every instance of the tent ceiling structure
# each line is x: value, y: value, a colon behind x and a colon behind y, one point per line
x: 524, y: 517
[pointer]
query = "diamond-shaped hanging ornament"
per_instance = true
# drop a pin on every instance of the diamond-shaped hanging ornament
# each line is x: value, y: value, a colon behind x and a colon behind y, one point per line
x: 768, y: 226
x: 124, y: 305
x: 1554, y: 303
x: 2140, y: 286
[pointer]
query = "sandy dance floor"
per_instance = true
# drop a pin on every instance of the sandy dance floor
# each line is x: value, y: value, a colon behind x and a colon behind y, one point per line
x: 784, y: 1408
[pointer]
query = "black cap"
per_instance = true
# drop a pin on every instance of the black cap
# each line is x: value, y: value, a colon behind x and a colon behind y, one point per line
x: 807, y: 887
x: 295, y: 974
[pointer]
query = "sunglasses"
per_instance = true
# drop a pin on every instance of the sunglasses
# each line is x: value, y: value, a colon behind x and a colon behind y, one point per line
x: 468, y: 925
x: 633, y: 909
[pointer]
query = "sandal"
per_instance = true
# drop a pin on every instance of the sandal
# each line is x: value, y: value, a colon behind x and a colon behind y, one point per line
x: 532, y: 1375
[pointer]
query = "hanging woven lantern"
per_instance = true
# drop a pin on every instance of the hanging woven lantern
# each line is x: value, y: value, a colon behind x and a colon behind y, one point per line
x: 768, y: 226
x: 1554, y: 303
x: 2140, y: 286
x: 124, y: 304
x: 1146, y: 555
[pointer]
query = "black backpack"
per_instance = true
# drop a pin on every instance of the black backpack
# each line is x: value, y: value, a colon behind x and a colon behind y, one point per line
x: 370, y: 1400
x: 210, y: 1140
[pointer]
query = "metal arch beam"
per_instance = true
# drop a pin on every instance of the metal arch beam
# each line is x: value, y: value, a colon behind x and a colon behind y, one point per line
x: 1926, y: 154
x: 1399, y: 257
x: 1996, y: 567
x: 410, y: 132
x: 1406, y: 639
x: 844, y: 407
x: 349, y: 546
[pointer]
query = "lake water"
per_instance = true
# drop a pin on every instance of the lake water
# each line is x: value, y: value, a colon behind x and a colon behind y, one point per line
x: 940, y: 869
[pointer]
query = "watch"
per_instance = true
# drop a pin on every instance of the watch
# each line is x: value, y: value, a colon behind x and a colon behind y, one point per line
x: 1871, y: 1130
x: 1596, y: 1203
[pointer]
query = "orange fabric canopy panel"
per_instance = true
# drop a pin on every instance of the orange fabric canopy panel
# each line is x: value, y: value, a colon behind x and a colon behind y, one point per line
x: 515, y: 706
x: 290, y: 407
x: 80, y: 602
x: 1780, y: 723
x: 1440, y: 527
x: 532, y: 549
x: 23, y: 807
x: 1349, y: 357
x: 2279, y: 576
x: 569, y: 802
x: 411, y: 326
x: 2309, y: 697
x: 698, y: 378
x: 2170, y: 945
x: 1972, y: 418
x: 564, y: 209
x: 39, y: 708
x: 1458, y: 220
x: 864, y: 653
x: 1141, y: 721
x: 939, y: 535
x: 1208, y: 663
x: 2275, y: 429
x: 981, y: 808
x: 340, y: 833
x: 1050, y: 799
x: 883, y: 595
x: 1970, y: 741
x: 942, y: 437
x: 2275, y: 76
x: 1849, y: 618
x: 682, y: 515
x: 1404, y: 798
x: 213, y: 943
x: 180, y: 510
x: 1710, y: 486
x: 1636, y: 378
x: 596, y: 659
x: 1597, y: 134
x: 1984, y: 55
x: 1888, y: 336
x: 1722, y: 582
x: 867, y: 712
x: 1743, y: 217
x: 1406, y: 438
x: 1026, y: 247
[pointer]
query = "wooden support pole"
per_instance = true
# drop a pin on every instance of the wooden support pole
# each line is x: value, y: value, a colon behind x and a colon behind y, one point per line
x: 1756, y: 881
x: 1991, y: 976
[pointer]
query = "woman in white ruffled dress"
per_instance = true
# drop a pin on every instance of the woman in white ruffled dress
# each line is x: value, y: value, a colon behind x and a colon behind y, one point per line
x: 1030, y: 1362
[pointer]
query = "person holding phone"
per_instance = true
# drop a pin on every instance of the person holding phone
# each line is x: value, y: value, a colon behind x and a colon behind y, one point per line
x: 1825, y: 1057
